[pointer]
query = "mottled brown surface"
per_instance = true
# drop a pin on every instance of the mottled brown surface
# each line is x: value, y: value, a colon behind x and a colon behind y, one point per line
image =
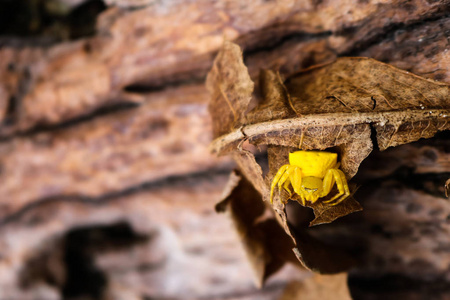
x: 163, y: 241
x: 168, y: 135
x: 422, y: 50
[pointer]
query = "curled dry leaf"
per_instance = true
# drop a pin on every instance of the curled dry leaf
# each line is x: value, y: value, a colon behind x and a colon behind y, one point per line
x: 268, y: 248
x: 231, y: 89
x: 335, y: 106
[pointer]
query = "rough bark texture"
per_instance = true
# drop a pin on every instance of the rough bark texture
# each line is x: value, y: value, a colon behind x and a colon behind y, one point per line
x: 106, y: 176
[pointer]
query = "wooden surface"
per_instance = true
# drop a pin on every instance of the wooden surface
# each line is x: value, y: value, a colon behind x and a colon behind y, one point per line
x: 105, y: 138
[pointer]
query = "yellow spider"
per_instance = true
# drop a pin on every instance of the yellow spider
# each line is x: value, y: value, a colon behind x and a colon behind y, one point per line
x: 312, y: 175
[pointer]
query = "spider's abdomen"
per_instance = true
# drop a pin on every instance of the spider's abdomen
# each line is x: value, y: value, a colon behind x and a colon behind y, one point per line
x: 313, y: 163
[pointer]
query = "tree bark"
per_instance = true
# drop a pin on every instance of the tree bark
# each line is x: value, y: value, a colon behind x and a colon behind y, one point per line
x: 104, y: 152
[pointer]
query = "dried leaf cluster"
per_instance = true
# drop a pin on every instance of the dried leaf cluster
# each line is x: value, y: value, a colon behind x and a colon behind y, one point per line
x: 334, y: 106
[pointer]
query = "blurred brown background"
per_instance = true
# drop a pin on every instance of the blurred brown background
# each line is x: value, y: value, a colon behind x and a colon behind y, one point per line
x: 107, y: 188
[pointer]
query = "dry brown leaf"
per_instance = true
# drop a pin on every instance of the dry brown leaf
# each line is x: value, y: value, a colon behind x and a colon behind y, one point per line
x: 250, y: 168
x: 267, y: 246
x: 231, y: 89
x: 327, y: 214
x: 319, y: 287
x: 275, y: 103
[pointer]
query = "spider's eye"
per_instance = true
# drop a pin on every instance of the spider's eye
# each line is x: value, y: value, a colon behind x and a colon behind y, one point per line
x: 311, y: 184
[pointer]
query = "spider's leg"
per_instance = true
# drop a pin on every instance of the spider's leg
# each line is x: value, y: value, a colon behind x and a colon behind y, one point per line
x: 276, y: 179
x: 328, y: 183
x: 303, y: 199
x: 337, y: 178
x: 296, y: 179
x: 342, y: 185
x: 285, y: 180
x: 286, y: 187
x: 285, y: 177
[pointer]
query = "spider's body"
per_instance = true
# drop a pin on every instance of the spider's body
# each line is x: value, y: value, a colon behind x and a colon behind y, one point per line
x: 312, y: 175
